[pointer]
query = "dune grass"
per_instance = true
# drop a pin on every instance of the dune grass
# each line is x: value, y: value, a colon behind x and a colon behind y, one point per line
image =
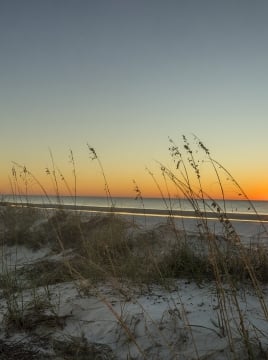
x: 109, y: 248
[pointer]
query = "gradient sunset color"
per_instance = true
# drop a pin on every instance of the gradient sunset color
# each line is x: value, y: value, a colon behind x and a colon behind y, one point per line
x: 124, y: 76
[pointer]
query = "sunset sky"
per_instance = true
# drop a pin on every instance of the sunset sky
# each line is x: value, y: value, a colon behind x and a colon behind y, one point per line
x: 123, y: 76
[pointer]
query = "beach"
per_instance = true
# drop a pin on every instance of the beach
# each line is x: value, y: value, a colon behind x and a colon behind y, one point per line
x: 122, y: 316
x: 147, y: 211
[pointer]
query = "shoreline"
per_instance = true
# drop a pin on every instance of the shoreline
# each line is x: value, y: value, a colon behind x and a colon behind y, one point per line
x: 145, y: 212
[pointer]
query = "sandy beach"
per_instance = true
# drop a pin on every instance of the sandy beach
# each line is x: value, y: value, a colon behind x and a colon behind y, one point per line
x: 147, y: 211
x: 116, y: 318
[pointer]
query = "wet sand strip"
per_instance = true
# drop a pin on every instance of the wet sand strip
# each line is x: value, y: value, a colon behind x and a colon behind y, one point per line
x: 147, y: 212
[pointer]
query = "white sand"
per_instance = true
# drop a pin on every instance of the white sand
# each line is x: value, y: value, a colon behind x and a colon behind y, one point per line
x: 179, y: 323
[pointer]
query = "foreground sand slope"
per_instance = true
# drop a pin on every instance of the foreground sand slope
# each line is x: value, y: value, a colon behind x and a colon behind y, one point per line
x: 116, y: 319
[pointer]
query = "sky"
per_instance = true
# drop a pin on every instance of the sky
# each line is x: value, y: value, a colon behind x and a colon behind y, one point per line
x: 123, y: 76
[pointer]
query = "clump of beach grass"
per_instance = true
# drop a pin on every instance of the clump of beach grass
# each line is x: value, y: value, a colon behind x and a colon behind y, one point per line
x: 16, y: 222
x: 14, y: 350
x: 188, y: 180
x: 105, y: 247
x: 73, y: 347
x: 26, y: 311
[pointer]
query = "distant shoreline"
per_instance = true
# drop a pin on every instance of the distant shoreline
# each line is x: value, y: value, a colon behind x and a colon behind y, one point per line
x: 140, y: 211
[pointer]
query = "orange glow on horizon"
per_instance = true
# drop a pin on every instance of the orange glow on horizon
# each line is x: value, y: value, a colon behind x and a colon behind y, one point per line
x: 127, y: 189
x: 91, y: 183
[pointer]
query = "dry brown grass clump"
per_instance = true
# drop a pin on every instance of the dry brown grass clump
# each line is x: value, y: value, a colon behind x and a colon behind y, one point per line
x: 17, y: 350
x: 79, y: 348
x: 16, y: 223
x: 22, y: 315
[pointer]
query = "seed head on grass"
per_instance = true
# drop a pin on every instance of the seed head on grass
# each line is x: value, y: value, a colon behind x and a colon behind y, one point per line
x: 93, y: 156
x: 72, y: 161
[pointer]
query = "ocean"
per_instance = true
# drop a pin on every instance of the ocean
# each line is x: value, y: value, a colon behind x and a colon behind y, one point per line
x: 242, y: 207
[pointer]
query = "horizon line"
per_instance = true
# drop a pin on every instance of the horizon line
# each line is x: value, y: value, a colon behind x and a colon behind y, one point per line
x: 130, y: 197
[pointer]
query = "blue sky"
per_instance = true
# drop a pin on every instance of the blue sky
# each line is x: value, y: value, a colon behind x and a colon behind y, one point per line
x: 125, y: 75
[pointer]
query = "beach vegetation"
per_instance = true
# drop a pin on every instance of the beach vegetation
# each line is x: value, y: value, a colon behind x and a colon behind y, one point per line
x: 90, y: 250
x: 25, y: 312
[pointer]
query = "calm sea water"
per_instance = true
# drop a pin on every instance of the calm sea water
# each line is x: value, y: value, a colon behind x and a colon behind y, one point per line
x: 235, y: 206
